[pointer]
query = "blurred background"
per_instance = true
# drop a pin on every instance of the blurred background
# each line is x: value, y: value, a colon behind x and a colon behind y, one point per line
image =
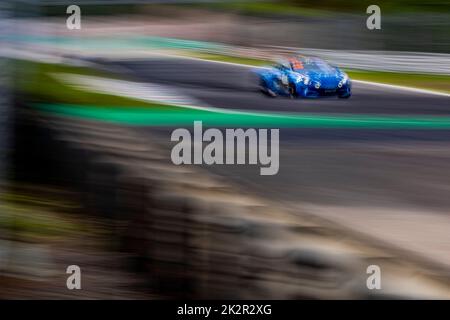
x: 86, y: 177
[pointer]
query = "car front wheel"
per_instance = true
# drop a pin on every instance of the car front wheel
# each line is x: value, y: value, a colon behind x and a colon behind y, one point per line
x: 344, y: 95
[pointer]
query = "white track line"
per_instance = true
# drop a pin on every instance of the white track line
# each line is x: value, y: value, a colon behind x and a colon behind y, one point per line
x: 148, y: 92
x: 141, y: 91
x: 396, y: 87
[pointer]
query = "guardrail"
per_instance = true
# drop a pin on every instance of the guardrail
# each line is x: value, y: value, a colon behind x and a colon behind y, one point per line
x: 397, y: 61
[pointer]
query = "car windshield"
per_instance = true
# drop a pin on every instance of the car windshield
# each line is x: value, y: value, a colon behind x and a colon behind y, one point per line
x: 313, y: 64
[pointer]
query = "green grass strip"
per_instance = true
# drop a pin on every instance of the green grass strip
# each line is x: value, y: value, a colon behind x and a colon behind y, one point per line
x: 231, y: 118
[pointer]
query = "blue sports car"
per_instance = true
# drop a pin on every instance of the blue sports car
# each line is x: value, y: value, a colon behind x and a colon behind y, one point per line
x: 304, y: 77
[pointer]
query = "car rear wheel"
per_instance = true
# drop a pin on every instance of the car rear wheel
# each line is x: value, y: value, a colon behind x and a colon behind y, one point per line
x: 292, y: 91
x: 265, y: 89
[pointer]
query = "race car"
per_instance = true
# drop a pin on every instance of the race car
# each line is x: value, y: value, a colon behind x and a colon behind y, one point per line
x: 304, y: 77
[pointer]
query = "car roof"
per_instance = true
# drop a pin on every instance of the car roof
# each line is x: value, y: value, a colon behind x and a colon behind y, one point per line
x: 299, y: 58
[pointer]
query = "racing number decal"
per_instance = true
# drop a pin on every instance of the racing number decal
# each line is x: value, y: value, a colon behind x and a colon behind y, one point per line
x: 284, y: 79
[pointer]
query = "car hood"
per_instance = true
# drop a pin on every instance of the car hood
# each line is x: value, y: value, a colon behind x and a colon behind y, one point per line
x: 327, y: 79
x: 317, y: 75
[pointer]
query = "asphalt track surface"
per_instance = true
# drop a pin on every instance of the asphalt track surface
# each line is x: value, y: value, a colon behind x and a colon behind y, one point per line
x: 230, y: 86
x: 387, y: 169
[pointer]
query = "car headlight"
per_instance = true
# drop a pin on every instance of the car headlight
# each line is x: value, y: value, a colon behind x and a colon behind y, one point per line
x: 306, y: 80
x: 317, y: 85
x: 344, y: 79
